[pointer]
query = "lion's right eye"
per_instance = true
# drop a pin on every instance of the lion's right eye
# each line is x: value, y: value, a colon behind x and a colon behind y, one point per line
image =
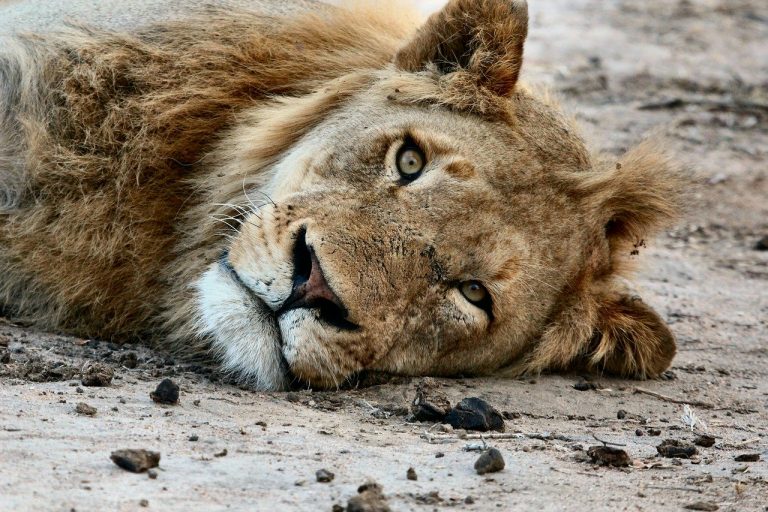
x: 410, y: 160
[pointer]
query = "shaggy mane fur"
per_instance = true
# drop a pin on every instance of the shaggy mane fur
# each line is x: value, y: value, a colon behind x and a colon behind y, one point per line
x: 115, y: 127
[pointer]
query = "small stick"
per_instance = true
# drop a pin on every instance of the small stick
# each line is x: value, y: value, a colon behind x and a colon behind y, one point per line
x: 696, y: 403
x: 607, y: 442
x: 742, y: 444
x: 688, y: 489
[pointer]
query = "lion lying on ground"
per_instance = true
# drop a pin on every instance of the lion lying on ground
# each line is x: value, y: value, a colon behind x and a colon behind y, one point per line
x: 311, y: 196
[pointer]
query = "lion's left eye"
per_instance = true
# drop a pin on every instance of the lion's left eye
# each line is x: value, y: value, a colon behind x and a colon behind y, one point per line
x: 474, y: 292
x: 477, y: 295
x: 410, y: 161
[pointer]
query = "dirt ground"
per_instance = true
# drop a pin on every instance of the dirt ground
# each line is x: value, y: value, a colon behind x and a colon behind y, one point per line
x: 693, y: 71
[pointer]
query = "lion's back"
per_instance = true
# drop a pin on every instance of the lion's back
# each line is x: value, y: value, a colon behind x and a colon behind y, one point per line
x: 122, y: 15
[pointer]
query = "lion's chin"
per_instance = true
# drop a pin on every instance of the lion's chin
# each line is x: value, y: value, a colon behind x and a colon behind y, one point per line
x: 310, y: 352
x: 243, y: 331
x: 266, y: 352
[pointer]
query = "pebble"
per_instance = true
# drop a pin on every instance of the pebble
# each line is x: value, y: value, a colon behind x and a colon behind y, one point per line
x: 490, y: 461
x: 676, y: 449
x: 324, y: 476
x: 609, y: 456
x: 430, y: 403
x: 96, y: 374
x: 167, y: 392
x: 475, y: 414
x: 704, y: 440
x: 135, y: 461
x: 411, y: 474
x: 85, y: 409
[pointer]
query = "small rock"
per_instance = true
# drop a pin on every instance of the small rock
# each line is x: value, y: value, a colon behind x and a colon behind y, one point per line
x: 639, y: 432
x: 747, y: 457
x: 167, y: 392
x: 136, y: 461
x: 621, y: 414
x: 609, y: 456
x: 676, y: 449
x: 439, y: 455
x: 584, y: 385
x: 469, y: 500
x: 370, y: 498
x: 706, y: 506
x: 5, y: 356
x: 704, y: 440
x: 129, y: 360
x: 222, y: 453
x: 85, y: 409
x: 96, y: 374
x: 411, y: 474
x: 490, y: 461
x: 430, y: 403
x: 475, y: 414
x: 654, y: 431
x: 152, y: 474
x: 194, y: 437
x: 324, y: 476
x: 762, y: 244
x: 143, y: 503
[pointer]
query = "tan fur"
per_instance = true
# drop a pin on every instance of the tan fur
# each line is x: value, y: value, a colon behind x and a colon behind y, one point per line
x: 130, y: 162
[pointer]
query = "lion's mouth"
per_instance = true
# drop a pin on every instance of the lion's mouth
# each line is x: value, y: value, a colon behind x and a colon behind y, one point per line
x: 311, y: 290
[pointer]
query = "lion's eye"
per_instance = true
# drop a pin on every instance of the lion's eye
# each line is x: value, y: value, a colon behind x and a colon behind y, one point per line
x: 478, y: 295
x: 410, y: 161
x: 474, y: 291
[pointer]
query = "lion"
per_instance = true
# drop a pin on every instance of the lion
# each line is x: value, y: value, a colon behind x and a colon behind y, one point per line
x: 308, y: 195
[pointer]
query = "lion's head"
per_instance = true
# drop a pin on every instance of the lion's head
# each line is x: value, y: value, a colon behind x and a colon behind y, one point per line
x: 431, y: 217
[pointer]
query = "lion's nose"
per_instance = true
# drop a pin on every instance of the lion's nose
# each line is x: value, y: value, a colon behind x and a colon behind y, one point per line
x: 310, y: 289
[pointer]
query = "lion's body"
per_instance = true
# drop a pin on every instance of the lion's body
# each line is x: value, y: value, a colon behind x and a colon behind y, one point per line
x: 104, y: 171
x: 118, y: 149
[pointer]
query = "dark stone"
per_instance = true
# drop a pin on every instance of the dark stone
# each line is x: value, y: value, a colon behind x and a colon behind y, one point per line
x: 621, y: 414
x: 704, y: 440
x: 85, y: 409
x: 430, y: 403
x: 762, y: 244
x: 609, y: 456
x: 584, y: 385
x: 136, y: 461
x: 167, y: 392
x: 676, y: 449
x: 747, y: 457
x: 324, y: 476
x: 475, y: 414
x: 411, y: 474
x: 490, y: 461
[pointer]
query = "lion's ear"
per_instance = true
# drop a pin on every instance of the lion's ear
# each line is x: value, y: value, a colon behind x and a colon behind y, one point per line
x: 483, y: 38
x: 634, y: 199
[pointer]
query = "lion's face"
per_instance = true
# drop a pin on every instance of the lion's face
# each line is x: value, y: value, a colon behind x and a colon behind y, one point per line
x: 411, y: 238
x: 414, y: 235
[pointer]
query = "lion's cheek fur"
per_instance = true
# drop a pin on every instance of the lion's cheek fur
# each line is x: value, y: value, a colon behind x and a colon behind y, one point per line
x: 242, y: 331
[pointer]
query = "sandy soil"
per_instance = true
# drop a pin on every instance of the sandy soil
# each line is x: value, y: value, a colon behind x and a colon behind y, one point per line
x: 693, y: 71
